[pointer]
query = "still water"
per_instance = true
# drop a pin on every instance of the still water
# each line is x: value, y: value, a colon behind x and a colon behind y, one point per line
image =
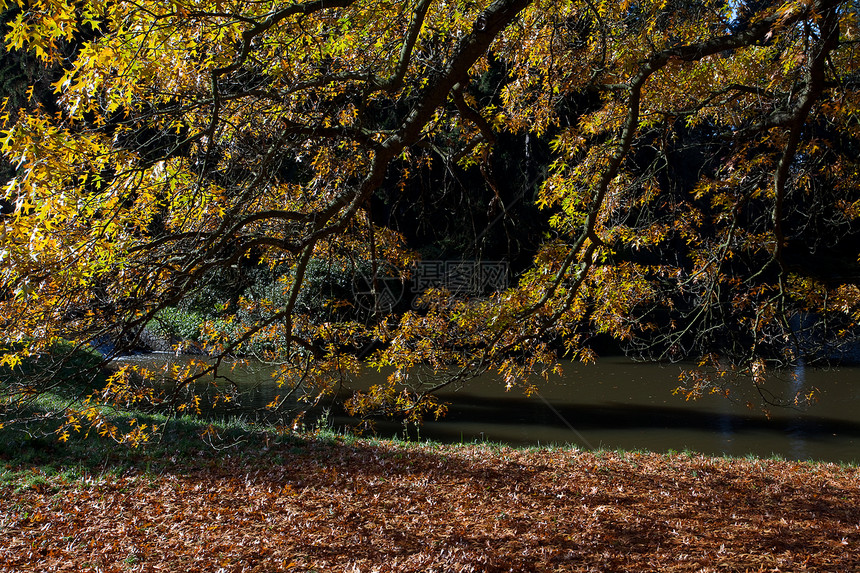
x: 617, y: 403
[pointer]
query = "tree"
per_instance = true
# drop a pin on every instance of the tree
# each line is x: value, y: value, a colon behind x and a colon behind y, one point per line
x: 698, y: 153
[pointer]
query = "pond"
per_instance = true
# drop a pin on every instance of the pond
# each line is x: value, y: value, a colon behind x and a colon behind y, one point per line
x: 620, y: 404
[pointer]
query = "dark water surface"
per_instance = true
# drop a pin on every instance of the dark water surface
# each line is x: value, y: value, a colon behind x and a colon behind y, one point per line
x: 617, y: 403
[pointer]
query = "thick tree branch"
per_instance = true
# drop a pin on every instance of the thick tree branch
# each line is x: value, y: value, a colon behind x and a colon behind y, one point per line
x: 498, y: 16
x: 812, y: 89
x: 395, y: 82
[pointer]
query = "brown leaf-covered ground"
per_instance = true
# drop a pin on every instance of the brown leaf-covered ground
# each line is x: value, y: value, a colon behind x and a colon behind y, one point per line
x: 378, y: 506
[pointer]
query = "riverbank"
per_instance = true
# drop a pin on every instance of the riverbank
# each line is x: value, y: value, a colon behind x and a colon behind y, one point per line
x: 319, y: 502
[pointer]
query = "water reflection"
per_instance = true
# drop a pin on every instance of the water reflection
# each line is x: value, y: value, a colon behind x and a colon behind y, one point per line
x: 617, y: 403
x: 795, y: 432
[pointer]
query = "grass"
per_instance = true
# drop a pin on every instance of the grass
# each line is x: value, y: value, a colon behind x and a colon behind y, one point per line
x: 187, y: 438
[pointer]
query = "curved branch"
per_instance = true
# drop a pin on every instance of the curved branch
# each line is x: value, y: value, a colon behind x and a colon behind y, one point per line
x: 690, y: 52
x: 395, y: 82
x: 273, y: 19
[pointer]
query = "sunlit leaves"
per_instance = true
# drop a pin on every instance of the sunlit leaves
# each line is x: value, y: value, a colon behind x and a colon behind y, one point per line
x: 191, y: 137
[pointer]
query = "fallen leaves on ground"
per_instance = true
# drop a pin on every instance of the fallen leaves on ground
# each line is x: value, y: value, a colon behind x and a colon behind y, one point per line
x: 370, y: 506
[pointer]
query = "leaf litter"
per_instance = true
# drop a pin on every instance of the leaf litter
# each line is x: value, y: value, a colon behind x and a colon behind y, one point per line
x: 378, y: 506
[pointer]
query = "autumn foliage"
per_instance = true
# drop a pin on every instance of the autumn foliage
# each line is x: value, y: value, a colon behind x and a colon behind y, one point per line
x: 698, y: 183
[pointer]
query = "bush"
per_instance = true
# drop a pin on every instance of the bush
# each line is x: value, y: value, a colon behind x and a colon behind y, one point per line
x: 173, y: 322
x: 65, y: 368
x: 325, y: 285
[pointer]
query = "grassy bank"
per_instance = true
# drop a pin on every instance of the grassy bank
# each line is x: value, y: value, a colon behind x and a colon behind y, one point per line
x: 262, y: 501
